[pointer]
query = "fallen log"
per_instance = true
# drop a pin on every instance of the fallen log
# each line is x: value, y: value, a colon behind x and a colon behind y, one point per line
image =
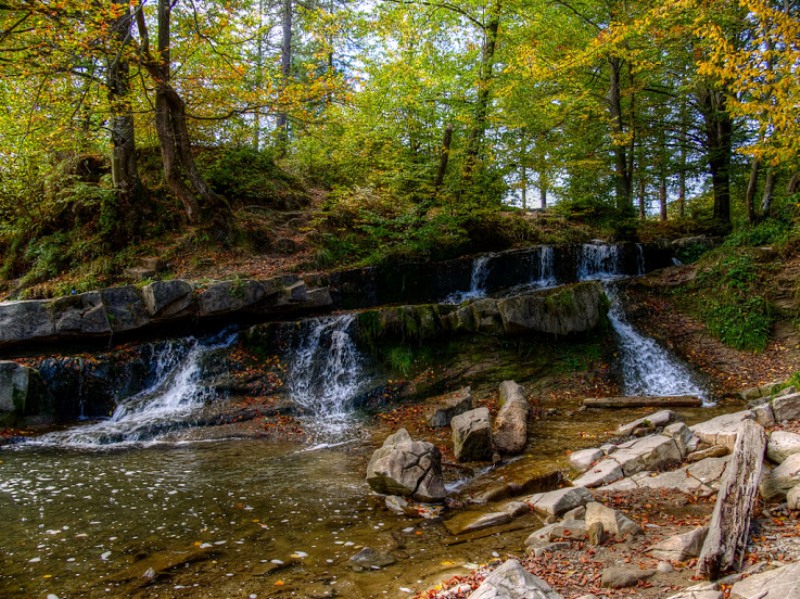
x: 730, y: 522
x: 644, y: 401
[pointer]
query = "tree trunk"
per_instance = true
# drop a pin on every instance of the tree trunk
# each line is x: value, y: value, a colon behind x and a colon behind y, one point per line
x: 769, y: 191
x: 622, y: 175
x: 478, y: 130
x: 199, y: 202
x: 750, y: 194
x: 662, y: 198
x: 644, y: 401
x: 793, y: 185
x: 683, y: 140
x: 642, y: 198
x: 286, y: 71
x: 444, y: 157
x: 730, y: 522
x: 126, y: 215
x: 719, y: 147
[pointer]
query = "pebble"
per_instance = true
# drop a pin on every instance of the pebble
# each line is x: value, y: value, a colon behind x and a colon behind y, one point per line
x: 105, y: 555
x: 665, y: 567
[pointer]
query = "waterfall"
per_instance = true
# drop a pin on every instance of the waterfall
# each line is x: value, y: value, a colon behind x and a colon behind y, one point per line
x: 599, y: 261
x: 547, y: 267
x: 641, y: 265
x: 326, y: 373
x: 165, y: 406
x: 477, y: 284
x: 648, y: 368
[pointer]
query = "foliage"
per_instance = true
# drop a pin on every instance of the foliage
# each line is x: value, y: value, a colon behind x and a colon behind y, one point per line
x: 731, y: 300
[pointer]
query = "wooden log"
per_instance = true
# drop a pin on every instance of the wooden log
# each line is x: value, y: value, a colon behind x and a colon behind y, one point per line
x: 730, y: 522
x: 644, y: 401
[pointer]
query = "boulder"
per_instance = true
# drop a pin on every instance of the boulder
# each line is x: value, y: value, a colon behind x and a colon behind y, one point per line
x: 582, y: 459
x: 613, y: 521
x: 722, y: 429
x: 511, y: 425
x: 512, y: 581
x: 620, y: 578
x: 780, y: 583
x: 781, y: 480
x: 407, y: 468
x: 568, y: 310
x: 603, y: 472
x: 566, y: 529
x: 472, y: 436
x: 25, y: 321
x: 82, y: 314
x: 649, y: 423
x: 22, y: 393
x: 781, y: 445
x: 793, y: 498
x: 168, y: 299
x: 556, y: 503
x: 786, y: 407
x: 680, y: 548
x: 454, y: 404
x: 226, y: 297
x: 125, y: 308
x: 764, y: 415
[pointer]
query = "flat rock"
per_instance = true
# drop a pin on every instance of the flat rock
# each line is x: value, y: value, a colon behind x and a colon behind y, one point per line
x: 613, y: 521
x: 454, y: 404
x: 786, y: 407
x: 371, y: 559
x: 701, y: 478
x: 226, y: 297
x: 711, y: 594
x: 556, y: 503
x: 715, y: 451
x: 722, y: 429
x: 781, y: 583
x: 650, y: 423
x: 582, y: 459
x: 565, y: 529
x: 467, y: 522
x: 781, y: 445
x: 512, y: 581
x: 620, y: 578
x: 782, y: 479
x: 604, y: 472
x: 681, y: 547
x: 472, y: 436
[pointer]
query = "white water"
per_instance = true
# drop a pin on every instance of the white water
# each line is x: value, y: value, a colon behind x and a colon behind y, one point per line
x: 151, y: 414
x: 477, y: 286
x: 648, y: 368
x: 326, y: 374
x: 599, y: 261
x: 547, y: 267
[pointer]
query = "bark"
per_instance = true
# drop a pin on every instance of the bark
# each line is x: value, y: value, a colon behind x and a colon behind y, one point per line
x: 719, y: 147
x: 750, y: 194
x: 769, y: 191
x: 683, y: 137
x: 286, y: 71
x: 444, y: 157
x: 124, y: 168
x: 730, y: 522
x: 662, y: 198
x: 642, y: 198
x: 677, y: 401
x: 793, y: 185
x: 622, y: 172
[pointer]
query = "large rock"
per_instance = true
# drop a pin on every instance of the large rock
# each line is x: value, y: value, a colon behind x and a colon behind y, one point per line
x: 472, y: 436
x: 565, y: 529
x: 702, y: 478
x: 793, y: 498
x: 22, y: 393
x: 568, y: 310
x: 454, y: 404
x: 512, y: 581
x: 782, y: 479
x: 786, y: 407
x: 722, y: 429
x: 407, y: 468
x: 511, y: 425
x: 613, y: 521
x: 649, y: 423
x: 125, y: 308
x: 556, y: 503
x: 226, y: 297
x: 25, y: 321
x: 781, y: 583
x: 82, y: 314
x: 680, y: 548
x: 781, y: 445
x: 583, y: 459
x: 620, y: 578
x: 164, y: 299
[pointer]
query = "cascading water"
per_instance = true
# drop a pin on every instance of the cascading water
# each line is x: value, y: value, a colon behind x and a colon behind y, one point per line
x: 477, y: 286
x: 599, y: 261
x: 327, y: 374
x: 547, y: 267
x: 648, y: 368
x: 161, y: 408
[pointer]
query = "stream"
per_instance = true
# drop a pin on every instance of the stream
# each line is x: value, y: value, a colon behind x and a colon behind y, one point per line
x: 107, y: 508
